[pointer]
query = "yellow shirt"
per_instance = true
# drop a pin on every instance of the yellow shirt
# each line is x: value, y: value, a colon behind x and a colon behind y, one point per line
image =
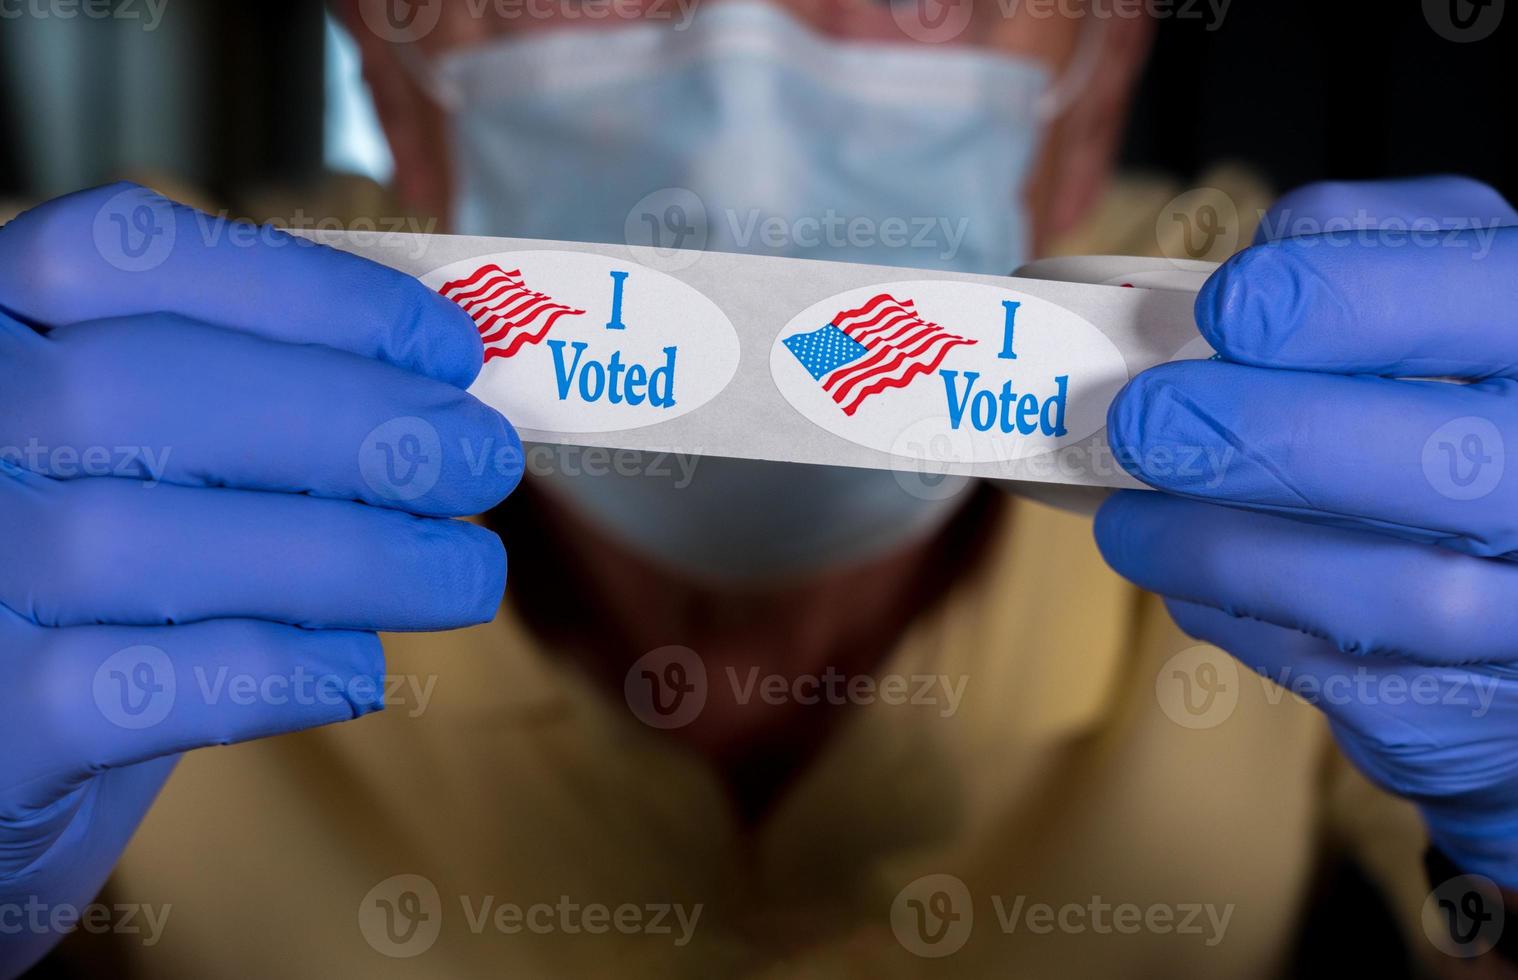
x: 1103, y: 797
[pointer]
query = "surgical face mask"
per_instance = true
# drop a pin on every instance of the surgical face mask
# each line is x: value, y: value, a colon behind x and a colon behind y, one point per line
x: 749, y: 132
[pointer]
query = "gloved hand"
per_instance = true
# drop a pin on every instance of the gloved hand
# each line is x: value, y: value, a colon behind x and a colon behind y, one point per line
x: 1362, y: 532
x: 224, y: 460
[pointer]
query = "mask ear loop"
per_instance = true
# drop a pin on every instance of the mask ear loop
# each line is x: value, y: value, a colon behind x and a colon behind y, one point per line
x: 444, y: 91
x: 1088, y: 51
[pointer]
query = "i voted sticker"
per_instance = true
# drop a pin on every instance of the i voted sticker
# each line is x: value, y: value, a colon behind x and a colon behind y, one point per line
x: 996, y: 374
x: 577, y: 342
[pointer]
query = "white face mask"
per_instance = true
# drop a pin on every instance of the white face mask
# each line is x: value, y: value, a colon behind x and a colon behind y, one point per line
x: 791, y: 144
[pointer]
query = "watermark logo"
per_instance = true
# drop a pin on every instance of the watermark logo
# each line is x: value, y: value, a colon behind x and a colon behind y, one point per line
x: 666, y: 688
x: 671, y: 224
x: 1199, y: 225
x: 144, y: 463
x: 677, y: 470
x: 1464, y: 21
x: 401, y: 916
x: 134, y: 230
x: 148, y: 12
x: 1210, y: 12
x: 143, y: 922
x: 1471, y: 234
x: 401, y: 21
x: 1198, y: 687
x: 401, y: 459
x: 135, y: 688
x: 1463, y: 459
x: 1463, y: 917
x: 932, y: 21
x: 933, y: 916
x: 924, y: 456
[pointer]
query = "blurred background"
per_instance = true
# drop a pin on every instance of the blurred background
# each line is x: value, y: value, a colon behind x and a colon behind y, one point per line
x: 232, y: 99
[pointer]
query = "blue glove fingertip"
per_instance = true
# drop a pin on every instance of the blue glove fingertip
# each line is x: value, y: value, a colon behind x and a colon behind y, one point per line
x: 441, y: 334
x: 1145, y: 423
x: 1117, y: 533
x: 486, y: 462
x: 1248, y: 309
x: 486, y: 575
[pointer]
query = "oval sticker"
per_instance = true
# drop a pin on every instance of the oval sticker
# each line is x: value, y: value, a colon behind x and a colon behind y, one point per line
x: 577, y: 342
x: 993, y: 373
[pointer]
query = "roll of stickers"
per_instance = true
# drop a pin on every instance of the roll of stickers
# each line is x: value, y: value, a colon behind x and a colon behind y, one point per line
x: 757, y: 357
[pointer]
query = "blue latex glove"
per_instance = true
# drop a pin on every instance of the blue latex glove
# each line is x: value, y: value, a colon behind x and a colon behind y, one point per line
x: 304, y: 421
x: 1371, y: 522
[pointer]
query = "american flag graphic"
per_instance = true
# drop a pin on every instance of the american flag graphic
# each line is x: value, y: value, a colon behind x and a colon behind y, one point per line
x: 509, y: 315
x: 881, y: 345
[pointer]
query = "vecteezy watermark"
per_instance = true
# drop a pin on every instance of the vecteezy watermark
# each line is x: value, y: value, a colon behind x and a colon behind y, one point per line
x: 402, y: 459
x: 1200, y: 225
x: 1472, y: 234
x: 926, y: 455
x: 147, y: 12
x: 1464, y: 916
x: 942, y: 692
x: 676, y: 469
x: 933, y: 236
x: 1464, y: 21
x: 137, y: 687
x: 222, y: 685
x: 679, y: 11
x: 1207, y: 921
x: 1434, y: 687
x: 670, y: 225
x: 937, y: 21
x: 666, y: 688
x: 1464, y: 458
x: 135, y: 229
x: 141, y: 921
x: 933, y: 917
x: 397, y: 231
x: 676, y: 224
x: 404, y: 21
x: 1212, y: 12
x: 401, y: 21
x: 145, y: 463
x: 402, y: 916
x: 1198, y: 687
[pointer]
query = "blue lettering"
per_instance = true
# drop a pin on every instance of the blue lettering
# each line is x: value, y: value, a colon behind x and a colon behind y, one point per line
x: 1006, y: 345
x: 957, y: 405
x: 618, y: 279
x: 616, y: 380
x: 1007, y: 410
x: 561, y: 375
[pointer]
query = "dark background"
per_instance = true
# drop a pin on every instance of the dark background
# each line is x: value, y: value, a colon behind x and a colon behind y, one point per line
x: 1310, y: 90
x: 1302, y: 89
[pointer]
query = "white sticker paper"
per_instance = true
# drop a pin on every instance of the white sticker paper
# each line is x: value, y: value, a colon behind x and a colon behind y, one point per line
x: 756, y: 357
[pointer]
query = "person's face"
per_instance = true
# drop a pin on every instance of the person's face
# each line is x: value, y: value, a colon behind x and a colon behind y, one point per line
x: 1076, y: 155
